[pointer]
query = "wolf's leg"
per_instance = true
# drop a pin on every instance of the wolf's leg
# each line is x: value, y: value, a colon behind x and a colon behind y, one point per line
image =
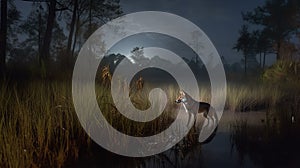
x: 195, y: 121
x: 205, y: 114
x: 207, y: 118
x: 189, y: 120
x: 192, y: 119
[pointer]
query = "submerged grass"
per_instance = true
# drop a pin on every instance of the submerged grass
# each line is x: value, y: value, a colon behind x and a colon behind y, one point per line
x: 39, y: 126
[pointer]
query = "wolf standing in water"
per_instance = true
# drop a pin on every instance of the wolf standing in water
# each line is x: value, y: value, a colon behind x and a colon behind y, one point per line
x: 191, y: 106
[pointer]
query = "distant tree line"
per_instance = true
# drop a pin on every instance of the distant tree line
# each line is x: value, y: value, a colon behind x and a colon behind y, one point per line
x: 52, y: 32
x: 272, y: 28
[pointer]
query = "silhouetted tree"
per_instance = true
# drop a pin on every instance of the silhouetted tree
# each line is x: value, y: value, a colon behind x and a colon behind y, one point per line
x: 71, y: 33
x: 44, y: 56
x: 3, y: 35
x: 88, y: 17
x: 34, y: 28
x: 280, y: 20
x: 246, y: 44
x: 10, y: 17
x: 13, y: 20
x: 263, y: 46
x: 48, y: 33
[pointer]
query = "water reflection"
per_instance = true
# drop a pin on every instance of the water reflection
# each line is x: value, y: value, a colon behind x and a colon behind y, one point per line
x: 274, y: 143
x: 247, y: 139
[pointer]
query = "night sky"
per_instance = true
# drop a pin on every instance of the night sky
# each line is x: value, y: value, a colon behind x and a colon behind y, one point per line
x: 220, y: 20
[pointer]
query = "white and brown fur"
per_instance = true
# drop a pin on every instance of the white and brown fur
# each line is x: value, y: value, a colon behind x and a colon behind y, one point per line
x: 193, y: 107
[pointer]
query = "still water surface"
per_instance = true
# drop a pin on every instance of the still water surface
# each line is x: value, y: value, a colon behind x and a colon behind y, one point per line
x: 243, y: 139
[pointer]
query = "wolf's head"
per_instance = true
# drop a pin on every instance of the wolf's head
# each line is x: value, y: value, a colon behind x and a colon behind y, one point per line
x: 181, y: 98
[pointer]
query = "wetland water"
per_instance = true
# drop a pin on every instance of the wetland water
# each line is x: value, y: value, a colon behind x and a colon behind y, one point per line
x: 243, y: 139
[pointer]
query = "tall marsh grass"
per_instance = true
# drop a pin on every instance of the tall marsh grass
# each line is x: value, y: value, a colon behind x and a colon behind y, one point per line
x: 249, y: 97
x: 39, y: 126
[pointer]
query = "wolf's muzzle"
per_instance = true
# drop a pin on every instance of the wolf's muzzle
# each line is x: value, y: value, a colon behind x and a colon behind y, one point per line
x: 178, y: 101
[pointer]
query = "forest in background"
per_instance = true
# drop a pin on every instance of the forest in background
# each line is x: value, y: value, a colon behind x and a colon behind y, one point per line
x: 38, y: 123
x: 50, y: 37
x: 45, y: 43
